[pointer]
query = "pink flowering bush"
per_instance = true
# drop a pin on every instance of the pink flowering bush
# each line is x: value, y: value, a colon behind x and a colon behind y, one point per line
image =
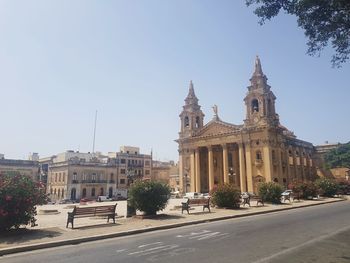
x: 18, y: 197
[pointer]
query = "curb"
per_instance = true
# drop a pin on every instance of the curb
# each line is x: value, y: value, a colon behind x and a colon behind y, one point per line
x: 75, y: 241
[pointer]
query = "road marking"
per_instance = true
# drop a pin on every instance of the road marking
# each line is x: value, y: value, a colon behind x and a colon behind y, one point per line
x: 150, y: 244
x: 168, y: 247
x: 289, y: 250
x: 146, y: 250
x: 120, y: 250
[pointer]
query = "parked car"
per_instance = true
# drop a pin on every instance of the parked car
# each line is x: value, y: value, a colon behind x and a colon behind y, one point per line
x: 287, y: 192
x: 66, y: 201
x: 193, y: 195
x: 103, y: 198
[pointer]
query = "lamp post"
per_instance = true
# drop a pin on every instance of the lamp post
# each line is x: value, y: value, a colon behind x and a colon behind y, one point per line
x: 185, y: 184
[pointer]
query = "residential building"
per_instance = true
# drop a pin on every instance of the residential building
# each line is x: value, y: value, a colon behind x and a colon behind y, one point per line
x: 76, y: 175
x: 23, y: 167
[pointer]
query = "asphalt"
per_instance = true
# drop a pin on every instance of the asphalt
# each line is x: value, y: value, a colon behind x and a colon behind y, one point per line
x: 313, y: 234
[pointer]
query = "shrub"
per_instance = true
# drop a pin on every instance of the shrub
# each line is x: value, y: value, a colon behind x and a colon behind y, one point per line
x: 270, y: 192
x: 149, y: 196
x: 308, y: 190
x: 226, y: 195
x: 327, y: 186
x: 18, y: 197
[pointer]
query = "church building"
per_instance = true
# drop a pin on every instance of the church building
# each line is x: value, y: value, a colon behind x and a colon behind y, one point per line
x: 259, y: 150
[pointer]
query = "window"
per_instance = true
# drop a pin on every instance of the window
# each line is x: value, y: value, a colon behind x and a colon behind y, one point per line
x: 258, y: 156
x: 147, y: 163
x: 290, y: 153
x: 187, y: 121
x: 84, y: 192
x: 197, y: 122
x: 112, y: 176
x: 122, y: 181
x: 122, y: 161
x: 74, y: 176
x: 147, y: 172
x: 93, y: 177
x: 255, y: 105
x: 93, y: 192
x: 62, y: 193
x: 101, y: 191
x: 273, y: 155
x: 122, y: 171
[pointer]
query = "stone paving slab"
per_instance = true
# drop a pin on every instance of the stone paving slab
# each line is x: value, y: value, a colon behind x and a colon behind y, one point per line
x: 51, y: 229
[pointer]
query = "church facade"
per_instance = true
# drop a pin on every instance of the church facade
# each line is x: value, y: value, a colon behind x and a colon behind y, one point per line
x: 259, y: 150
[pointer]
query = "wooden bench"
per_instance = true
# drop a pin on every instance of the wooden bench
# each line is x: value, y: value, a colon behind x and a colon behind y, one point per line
x: 205, y: 202
x: 248, y: 199
x: 79, y: 212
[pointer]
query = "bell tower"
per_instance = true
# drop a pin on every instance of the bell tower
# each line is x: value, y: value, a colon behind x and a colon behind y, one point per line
x: 260, y: 100
x: 191, y: 116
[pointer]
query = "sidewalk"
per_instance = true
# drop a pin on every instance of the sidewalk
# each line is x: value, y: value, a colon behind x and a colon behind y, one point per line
x: 51, y: 230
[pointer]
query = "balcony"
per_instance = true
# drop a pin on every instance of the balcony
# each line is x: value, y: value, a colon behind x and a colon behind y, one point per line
x: 259, y: 162
x: 94, y: 181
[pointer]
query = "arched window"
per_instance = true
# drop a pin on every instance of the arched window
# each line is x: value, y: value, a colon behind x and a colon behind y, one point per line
x: 187, y: 121
x: 258, y: 155
x: 93, y: 192
x: 197, y: 122
x: 255, y: 105
x: 84, y: 192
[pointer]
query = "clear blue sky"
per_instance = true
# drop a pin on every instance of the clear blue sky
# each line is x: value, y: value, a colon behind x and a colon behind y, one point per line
x: 133, y: 60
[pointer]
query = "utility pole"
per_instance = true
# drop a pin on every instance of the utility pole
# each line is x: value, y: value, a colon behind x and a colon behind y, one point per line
x: 93, y: 144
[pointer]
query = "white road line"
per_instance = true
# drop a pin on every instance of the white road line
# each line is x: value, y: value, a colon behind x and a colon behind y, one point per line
x: 150, y: 244
x: 291, y: 249
x: 146, y: 250
x: 120, y: 250
x: 159, y: 250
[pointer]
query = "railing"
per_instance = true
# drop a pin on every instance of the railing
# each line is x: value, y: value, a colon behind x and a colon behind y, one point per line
x: 94, y: 181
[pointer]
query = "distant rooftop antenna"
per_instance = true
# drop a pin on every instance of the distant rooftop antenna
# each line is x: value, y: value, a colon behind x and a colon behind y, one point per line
x: 93, y: 144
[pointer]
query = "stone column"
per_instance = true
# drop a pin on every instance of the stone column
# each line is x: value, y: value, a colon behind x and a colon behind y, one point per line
x: 242, y: 170
x: 181, y: 171
x: 267, y: 164
x: 198, y: 171
x: 225, y: 163
x: 193, y: 171
x: 211, y: 167
x: 249, y: 163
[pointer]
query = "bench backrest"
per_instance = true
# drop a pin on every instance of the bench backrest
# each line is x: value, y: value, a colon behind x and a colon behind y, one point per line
x: 198, y: 201
x: 96, y: 210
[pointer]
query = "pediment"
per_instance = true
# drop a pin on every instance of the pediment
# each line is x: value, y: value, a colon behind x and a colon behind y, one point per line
x: 217, y: 128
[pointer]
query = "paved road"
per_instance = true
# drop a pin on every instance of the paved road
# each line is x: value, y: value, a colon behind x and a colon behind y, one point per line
x: 315, y: 234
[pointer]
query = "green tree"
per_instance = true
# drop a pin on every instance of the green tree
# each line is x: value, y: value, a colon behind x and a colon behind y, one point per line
x: 324, y: 22
x: 149, y: 196
x: 18, y: 197
x: 339, y: 157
